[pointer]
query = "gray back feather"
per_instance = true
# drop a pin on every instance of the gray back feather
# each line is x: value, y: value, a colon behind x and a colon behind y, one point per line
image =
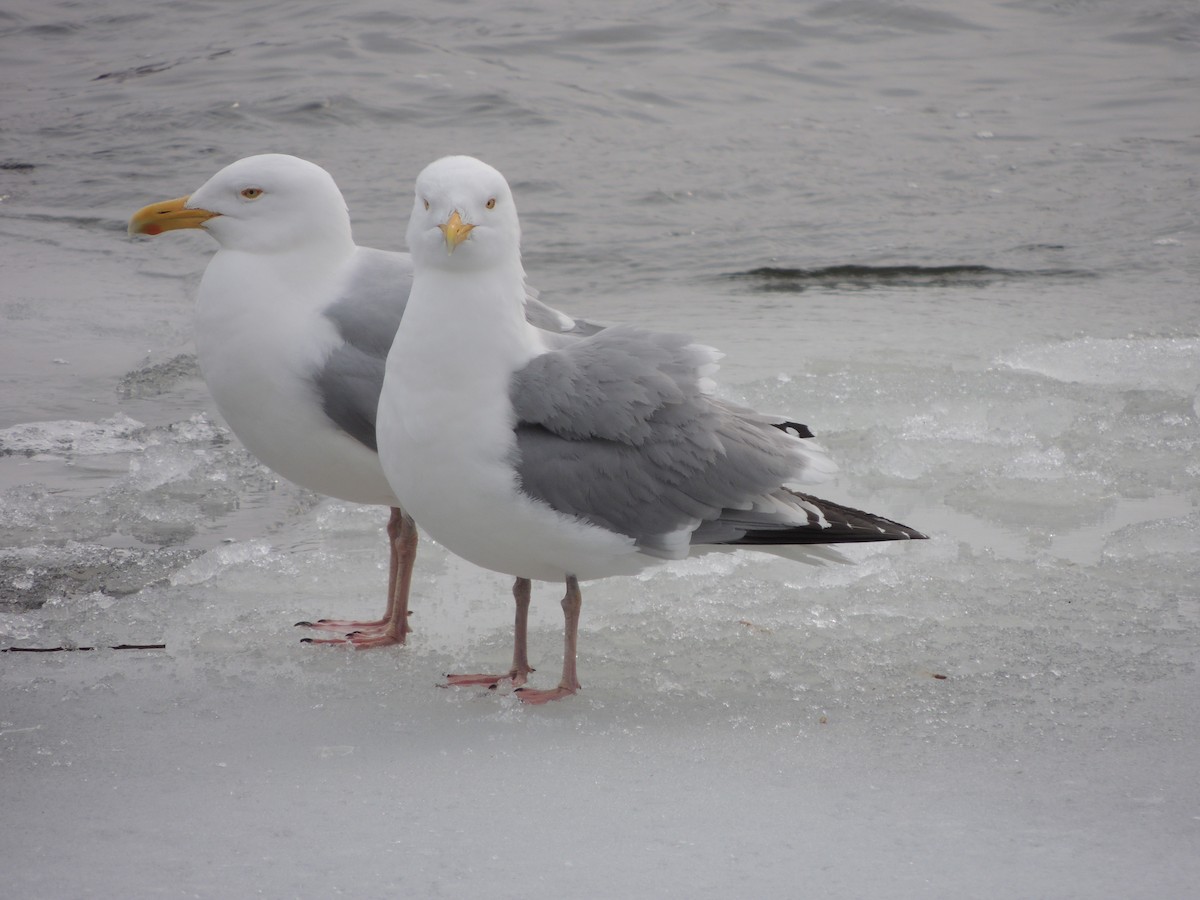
x: 366, y: 317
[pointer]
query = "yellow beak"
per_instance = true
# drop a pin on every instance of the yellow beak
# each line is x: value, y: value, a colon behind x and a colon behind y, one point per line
x: 455, y: 230
x: 167, y: 216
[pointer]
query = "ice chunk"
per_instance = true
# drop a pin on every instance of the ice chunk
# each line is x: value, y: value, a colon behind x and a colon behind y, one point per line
x: 157, y: 468
x: 1167, y: 363
x: 219, y: 559
x: 29, y: 576
x: 118, y: 434
x: 159, y: 378
x: 1161, y: 526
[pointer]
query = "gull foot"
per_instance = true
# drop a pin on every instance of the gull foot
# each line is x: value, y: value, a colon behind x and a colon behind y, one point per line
x: 361, y: 636
x: 491, y: 682
x: 537, y: 698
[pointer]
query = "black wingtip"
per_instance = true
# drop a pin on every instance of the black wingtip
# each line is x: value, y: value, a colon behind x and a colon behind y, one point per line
x: 795, y: 429
x: 842, y: 525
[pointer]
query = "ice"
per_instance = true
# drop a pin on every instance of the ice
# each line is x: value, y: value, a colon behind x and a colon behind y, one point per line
x: 742, y: 716
x: 156, y: 379
x: 1144, y: 363
x: 981, y: 708
x: 70, y: 438
x: 1155, y: 534
x: 216, y: 561
x: 30, y: 575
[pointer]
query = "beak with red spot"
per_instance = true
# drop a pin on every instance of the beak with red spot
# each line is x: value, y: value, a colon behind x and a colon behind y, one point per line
x: 168, y: 216
x: 455, y: 230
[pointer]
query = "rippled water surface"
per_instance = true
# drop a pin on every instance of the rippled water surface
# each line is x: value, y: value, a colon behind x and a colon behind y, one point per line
x: 960, y: 240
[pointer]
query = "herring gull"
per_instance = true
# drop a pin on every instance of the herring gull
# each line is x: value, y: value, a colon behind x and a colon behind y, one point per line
x: 575, y: 462
x: 293, y: 323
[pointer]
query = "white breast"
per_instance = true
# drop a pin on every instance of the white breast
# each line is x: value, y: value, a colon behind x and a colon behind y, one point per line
x: 259, y: 342
x: 447, y: 443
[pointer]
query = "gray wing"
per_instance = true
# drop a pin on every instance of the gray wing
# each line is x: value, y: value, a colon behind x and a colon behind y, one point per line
x: 367, y: 315
x: 617, y: 429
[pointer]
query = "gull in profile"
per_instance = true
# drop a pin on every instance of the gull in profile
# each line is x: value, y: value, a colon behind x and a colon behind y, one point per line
x: 293, y: 324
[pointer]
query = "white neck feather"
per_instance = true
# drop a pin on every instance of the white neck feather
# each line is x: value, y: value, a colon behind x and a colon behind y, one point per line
x: 451, y: 364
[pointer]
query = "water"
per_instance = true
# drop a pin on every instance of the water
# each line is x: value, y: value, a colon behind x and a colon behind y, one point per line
x: 960, y: 241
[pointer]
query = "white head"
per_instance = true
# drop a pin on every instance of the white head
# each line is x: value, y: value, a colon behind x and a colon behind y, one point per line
x: 268, y: 203
x: 463, y: 217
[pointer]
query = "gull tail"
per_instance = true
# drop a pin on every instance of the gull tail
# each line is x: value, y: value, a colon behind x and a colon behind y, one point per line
x: 799, y: 527
x: 828, y: 523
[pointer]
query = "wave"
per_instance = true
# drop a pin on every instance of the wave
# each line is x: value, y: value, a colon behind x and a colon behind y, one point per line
x: 773, y: 278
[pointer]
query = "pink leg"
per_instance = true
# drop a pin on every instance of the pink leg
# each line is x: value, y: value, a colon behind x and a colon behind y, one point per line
x: 520, y: 670
x: 569, y: 684
x: 393, y: 627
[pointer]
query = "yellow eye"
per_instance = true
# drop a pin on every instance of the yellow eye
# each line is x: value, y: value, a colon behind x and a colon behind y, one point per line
x: 252, y: 193
x: 491, y: 204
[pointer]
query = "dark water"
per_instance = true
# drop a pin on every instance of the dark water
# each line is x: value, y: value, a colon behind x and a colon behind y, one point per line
x: 649, y: 152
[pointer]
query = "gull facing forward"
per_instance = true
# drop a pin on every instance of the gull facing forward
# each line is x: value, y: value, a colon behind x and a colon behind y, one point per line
x: 596, y: 458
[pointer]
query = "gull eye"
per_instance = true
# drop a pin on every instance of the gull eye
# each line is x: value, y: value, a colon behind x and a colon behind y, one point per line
x: 427, y: 204
x: 252, y: 193
x: 491, y: 204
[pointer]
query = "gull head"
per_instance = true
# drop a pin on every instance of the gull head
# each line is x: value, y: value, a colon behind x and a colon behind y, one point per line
x: 463, y: 217
x: 267, y: 203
